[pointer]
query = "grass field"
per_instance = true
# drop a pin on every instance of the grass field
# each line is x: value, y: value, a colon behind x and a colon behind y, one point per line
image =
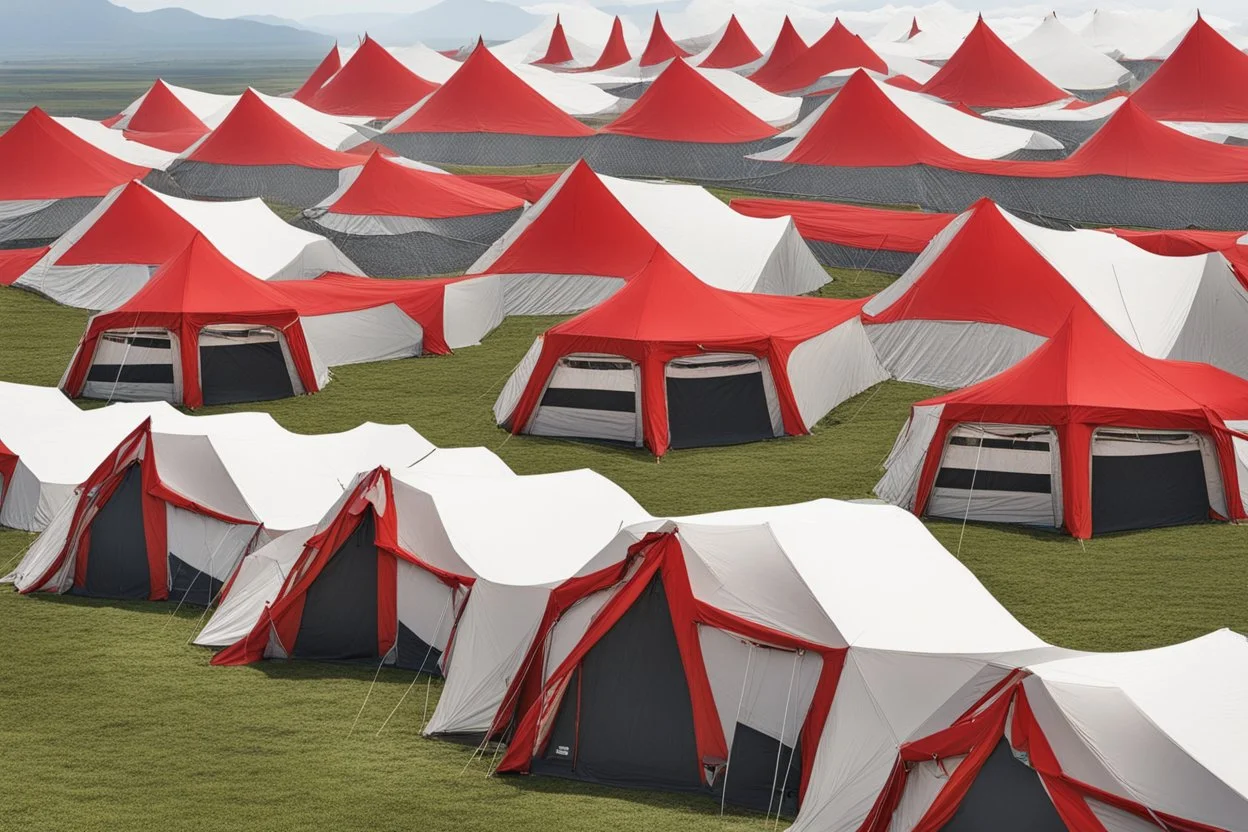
x: 109, y: 720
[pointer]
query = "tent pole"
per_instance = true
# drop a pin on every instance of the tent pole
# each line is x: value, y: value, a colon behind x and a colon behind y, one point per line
x: 784, y: 723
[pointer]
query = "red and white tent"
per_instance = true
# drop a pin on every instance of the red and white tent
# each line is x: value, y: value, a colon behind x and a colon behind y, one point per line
x: 581, y: 242
x: 52, y: 173
x: 639, y: 369
x: 1070, y: 62
x: 112, y: 252
x: 372, y: 83
x: 1202, y: 81
x: 330, y: 64
x: 985, y: 72
x: 838, y: 49
x: 169, y: 117
x: 615, y: 51
x: 731, y: 48
x: 660, y: 47
x: 992, y: 287
x: 787, y: 47
x: 558, y: 51
x: 401, y: 220
x: 1085, y: 434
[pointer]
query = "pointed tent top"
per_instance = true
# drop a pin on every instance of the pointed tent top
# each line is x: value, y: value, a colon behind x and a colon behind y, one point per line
x: 325, y: 70
x: 389, y: 188
x: 788, y: 47
x: 985, y: 72
x: 138, y: 227
x: 1203, y: 80
x: 683, y: 105
x: 372, y: 83
x: 42, y: 159
x: 914, y: 27
x: 253, y: 133
x: 838, y: 49
x: 161, y: 111
x: 615, y: 52
x: 557, y: 51
x: 733, y: 49
x: 660, y: 47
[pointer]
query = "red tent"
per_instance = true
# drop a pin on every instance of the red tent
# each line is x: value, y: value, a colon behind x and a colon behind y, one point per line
x: 734, y: 48
x: 985, y: 72
x: 386, y: 187
x: 682, y: 105
x: 839, y: 48
x: 1203, y: 80
x: 615, y: 52
x: 163, y: 121
x: 197, y: 290
x: 15, y: 262
x: 372, y: 83
x: 40, y: 159
x: 325, y: 70
x: 648, y: 324
x: 660, y: 47
x: 558, y: 51
x: 1087, y: 379
x: 788, y: 47
x: 528, y: 188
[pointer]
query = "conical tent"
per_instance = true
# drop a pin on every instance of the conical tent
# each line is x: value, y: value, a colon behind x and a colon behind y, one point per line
x: 985, y: 72
x: 636, y: 369
x: 1069, y: 62
x: 330, y: 64
x: 839, y: 48
x: 732, y: 49
x: 1202, y: 80
x: 372, y: 83
x: 558, y: 51
x: 787, y: 48
x: 615, y: 52
x: 163, y: 121
x: 660, y: 47
x: 399, y: 221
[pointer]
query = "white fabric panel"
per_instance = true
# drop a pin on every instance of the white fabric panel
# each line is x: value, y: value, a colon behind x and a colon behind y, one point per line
x: 382, y: 333
x: 568, y: 92
x: 571, y: 627
x: 189, y: 465
x: 1137, y: 34
x: 985, y: 504
x: 611, y: 425
x: 425, y: 62
x: 554, y: 294
x: 1059, y: 111
x: 1241, y: 459
x: 30, y: 504
x: 201, y: 104
x: 256, y: 583
x: 1116, y: 820
x: 1067, y: 60
x: 792, y: 268
x: 118, y: 347
x: 472, y: 309
x: 1213, y: 328
x: 776, y: 110
x: 924, y: 782
x: 510, y: 395
x: 117, y: 145
x: 832, y: 367
x: 210, y: 545
x: 43, y: 552
x: 904, y: 464
x: 101, y: 287
x: 11, y: 209
x: 426, y: 606
x: 947, y: 353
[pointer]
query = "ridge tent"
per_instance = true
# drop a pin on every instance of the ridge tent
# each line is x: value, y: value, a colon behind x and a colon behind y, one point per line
x: 838, y: 49
x: 329, y: 65
x: 51, y: 177
x: 581, y: 241
x: 850, y: 237
x: 637, y: 369
x: 660, y: 47
x: 1085, y: 434
x: 371, y: 83
x: 682, y: 126
x: 167, y: 117
x: 786, y: 48
x: 730, y: 49
x: 991, y: 287
x: 1069, y: 62
x: 400, y: 221
x: 985, y: 72
x: 283, y: 151
x: 486, y: 114
x: 112, y: 252
x: 386, y: 572
x: 1202, y: 81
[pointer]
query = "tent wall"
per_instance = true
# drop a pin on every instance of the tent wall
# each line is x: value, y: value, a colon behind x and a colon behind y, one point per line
x: 721, y: 400
x: 382, y: 333
x: 117, y: 563
x: 471, y: 309
x: 1144, y: 480
x: 591, y: 397
x: 832, y: 367
x: 555, y: 294
x: 135, y: 365
x: 1006, y: 794
x: 999, y: 474
x: 245, y: 364
x: 339, y: 619
x: 203, y: 554
x: 426, y: 613
x: 949, y: 354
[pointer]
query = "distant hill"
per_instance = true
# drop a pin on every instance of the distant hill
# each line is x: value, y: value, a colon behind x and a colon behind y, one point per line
x: 455, y: 22
x: 96, y: 27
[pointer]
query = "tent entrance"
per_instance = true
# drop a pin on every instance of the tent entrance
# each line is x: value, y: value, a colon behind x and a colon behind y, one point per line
x: 626, y: 718
x: 722, y: 399
x: 117, y: 564
x: 1006, y: 794
x: 591, y: 397
x: 339, y: 620
x: 134, y: 365
x: 243, y: 364
x: 1150, y: 479
x: 999, y: 474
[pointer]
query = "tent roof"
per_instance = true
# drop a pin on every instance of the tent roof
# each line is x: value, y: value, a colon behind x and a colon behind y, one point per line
x: 253, y: 133
x: 1067, y: 59
x: 734, y: 48
x: 853, y: 225
x: 787, y: 48
x: 839, y: 48
x: 528, y: 188
x: 388, y: 188
x: 372, y: 83
x: 682, y: 105
x: 985, y: 72
x: 484, y: 96
x: 615, y: 52
x: 163, y: 120
x: 42, y: 159
x: 1203, y: 80
x: 558, y: 51
x: 330, y: 64
x: 660, y: 47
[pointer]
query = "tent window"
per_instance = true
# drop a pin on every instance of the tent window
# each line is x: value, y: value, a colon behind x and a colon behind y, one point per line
x: 717, y: 400
x: 339, y: 620
x: 1146, y: 480
x: 999, y: 474
x: 117, y: 564
x: 591, y: 397
x: 1006, y: 794
x: 243, y: 364
x: 134, y: 365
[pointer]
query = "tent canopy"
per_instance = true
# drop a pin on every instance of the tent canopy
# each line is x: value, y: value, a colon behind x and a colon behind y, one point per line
x: 372, y: 83
x: 42, y: 159
x: 838, y: 49
x: 389, y: 188
x: 1203, y: 80
x: 660, y: 47
x: 732, y: 49
x: 985, y: 72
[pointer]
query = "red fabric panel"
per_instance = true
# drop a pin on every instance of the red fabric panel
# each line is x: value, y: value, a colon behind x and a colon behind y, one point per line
x: 16, y: 262
x: 8, y: 465
x: 528, y: 188
x: 904, y: 82
x: 682, y: 105
x: 985, y: 72
x: 138, y: 227
x: 876, y: 229
x: 325, y: 70
x: 788, y: 47
x: 173, y: 141
x: 387, y: 601
x: 388, y: 188
x: 254, y: 134
x: 1202, y: 80
x: 557, y: 51
x: 40, y: 159
x: 839, y: 48
x: 163, y: 112
x: 616, y: 50
x: 1180, y: 243
x: 372, y: 83
x: 660, y: 47
x: 155, y: 529
x: 733, y: 49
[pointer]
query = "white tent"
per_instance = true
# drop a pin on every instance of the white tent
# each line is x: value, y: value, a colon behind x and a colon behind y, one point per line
x: 115, y: 144
x: 1135, y: 35
x: 1068, y: 61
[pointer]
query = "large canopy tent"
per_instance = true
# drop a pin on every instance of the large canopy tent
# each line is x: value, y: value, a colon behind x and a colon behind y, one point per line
x: 486, y: 114
x: 732, y: 48
x: 1085, y: 434
x: 396, y: 220
x: 113, y: 251
x: 992, y: 287
x: 50, y: 178
x: 1070, y: 62
x: 385, y: 574
x: 852, y: 237
x: 1202, y: 81
x: 660, y: 47
x: 985, y: 72
x: 683, y: 126
x: 168, y: 117
x: 256, y: 150
x: 581, y: 241
x: 838, y: 49
x: 638, y: 369
x: 372, y: 83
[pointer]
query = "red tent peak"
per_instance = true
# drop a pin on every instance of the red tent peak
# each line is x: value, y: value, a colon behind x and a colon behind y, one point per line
x: 733, y: 49
x: 484, y: 96
x: 372, y: 83
x: 389, y: 188
x: 985, y: 72
x: 161, y: 112
x: 42, y: 159
x: 787, y: 48
x: 253, y: 133
x: 202, y: 279
x: 558, y: 52
x: 137, y: 228
x: 1202, y: 80
x: 914, y: 28
x: 660, y: 47
x: 683, y: 105
x: 325, y: 70
x: 616, y: 50
x: 839, y: 48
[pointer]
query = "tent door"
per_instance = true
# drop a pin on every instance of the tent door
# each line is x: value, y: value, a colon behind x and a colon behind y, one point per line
x: 1147, y: 479
x: 243, y: 364
x: 999, y: 474
x: 117, y: 564
x: 626, y: 718
x: 134, y: 365
x: 761, y: 772
x: 591, y: 397
x: 339, y: 621
x: 719, y: 400
x: 1006, y: 794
